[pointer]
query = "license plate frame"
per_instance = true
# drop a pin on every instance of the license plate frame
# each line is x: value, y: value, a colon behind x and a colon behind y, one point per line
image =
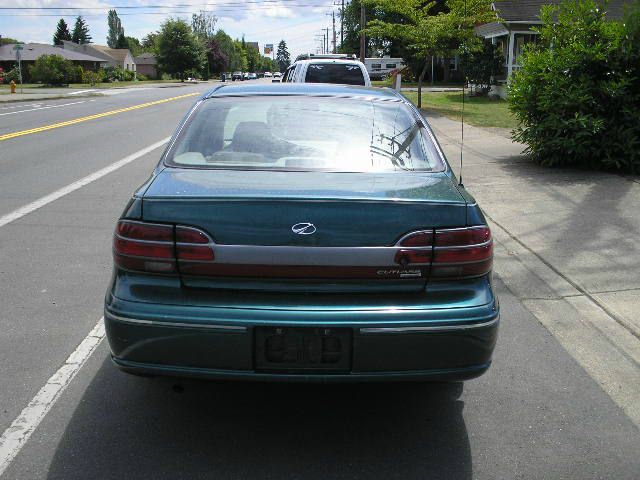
x: 303, y: 349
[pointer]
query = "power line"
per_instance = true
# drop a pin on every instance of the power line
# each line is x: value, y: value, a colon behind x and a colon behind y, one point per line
x: 226, y: 3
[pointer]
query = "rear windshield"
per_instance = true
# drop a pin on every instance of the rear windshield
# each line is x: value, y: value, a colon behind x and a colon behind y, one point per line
x: 346, y: 73
x: 304, y: 133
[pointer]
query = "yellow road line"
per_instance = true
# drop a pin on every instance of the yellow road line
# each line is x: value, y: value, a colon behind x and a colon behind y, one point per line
x: 7, y: 136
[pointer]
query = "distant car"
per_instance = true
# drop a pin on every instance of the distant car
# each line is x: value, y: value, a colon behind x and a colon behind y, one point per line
x: 268, y: 74
x: 252, y: 76
x: 303, y: 232
x: 236, y: 76
x: 245, y: 76
x: 328, y: 69
x: 277, y: 75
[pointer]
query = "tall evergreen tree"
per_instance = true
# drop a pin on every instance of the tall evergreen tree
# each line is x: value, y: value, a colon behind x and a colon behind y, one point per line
x: 115, y: 30
x: 282, y: 56
x: 62, y: 33
x: 80, y: 32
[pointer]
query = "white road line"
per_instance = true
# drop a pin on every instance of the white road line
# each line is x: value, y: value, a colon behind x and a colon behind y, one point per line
x: 43, y: 108
x: 82, y: 91
x: 15, y: 437
x: 72, y: 187
x: 22, y: 105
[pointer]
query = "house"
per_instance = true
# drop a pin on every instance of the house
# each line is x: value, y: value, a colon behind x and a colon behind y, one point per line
x: 253, y: 45
x: 146, y: 64
x: 113, y: 57
x: 32, y: 51
x: 514, y: 29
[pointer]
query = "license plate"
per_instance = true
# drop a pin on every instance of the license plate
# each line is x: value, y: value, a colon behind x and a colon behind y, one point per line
x: 303, y: 349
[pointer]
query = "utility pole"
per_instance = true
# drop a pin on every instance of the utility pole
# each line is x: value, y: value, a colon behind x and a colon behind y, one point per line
x: 363, y: 24
x: 342, y: 25
x: 321, y: 39
x: 333, y: 17
x: 326, y: 49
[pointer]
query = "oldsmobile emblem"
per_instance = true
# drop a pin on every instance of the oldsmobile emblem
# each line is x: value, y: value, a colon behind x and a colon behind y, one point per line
x: 304, y: 228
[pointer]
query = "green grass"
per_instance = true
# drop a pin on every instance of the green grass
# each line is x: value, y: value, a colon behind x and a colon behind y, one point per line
x: 478, y: 111
x: 388, y: 83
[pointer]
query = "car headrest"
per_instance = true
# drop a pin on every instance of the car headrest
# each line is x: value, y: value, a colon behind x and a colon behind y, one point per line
x: 253, y: 137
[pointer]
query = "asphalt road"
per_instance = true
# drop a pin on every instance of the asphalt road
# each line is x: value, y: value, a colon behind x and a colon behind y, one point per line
x: 535, y: 415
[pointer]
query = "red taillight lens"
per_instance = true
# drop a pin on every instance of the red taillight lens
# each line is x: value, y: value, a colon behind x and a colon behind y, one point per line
x: 193, y: 245
x: 417, y: 239
x: 144, y: 247
x: 191, y: 235
x: 150, y: 247
x: 418, y: 251
x: 149, y: 232
x: 462, y: 252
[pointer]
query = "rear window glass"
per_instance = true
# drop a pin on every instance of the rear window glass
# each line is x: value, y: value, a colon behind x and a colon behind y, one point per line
x: 304, y: 133
x: 345, y: 73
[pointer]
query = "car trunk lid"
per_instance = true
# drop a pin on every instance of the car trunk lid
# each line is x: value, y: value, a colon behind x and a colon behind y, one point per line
x: 304, y: 230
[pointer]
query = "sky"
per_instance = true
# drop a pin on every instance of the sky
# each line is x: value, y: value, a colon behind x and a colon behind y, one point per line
x: 298, y: 22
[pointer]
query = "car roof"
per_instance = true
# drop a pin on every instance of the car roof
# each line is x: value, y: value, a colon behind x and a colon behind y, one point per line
x: 329, y: 60
x: 310, y: 89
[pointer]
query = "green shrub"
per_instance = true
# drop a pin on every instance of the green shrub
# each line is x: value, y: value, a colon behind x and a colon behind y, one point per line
x: 142, y: 77
x: 12, y: 74
x: 54, y: 70
x: 577, y: 95
x: 91, y: 77
x: 117, y: 74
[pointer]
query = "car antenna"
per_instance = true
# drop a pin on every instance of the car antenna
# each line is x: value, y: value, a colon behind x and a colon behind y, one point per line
x: 464, y: 81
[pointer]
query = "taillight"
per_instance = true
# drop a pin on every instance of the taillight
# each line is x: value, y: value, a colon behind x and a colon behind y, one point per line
x: 418, y: 248
x: 155, y: 248
x: 193, y: 244
x: 462, y: 252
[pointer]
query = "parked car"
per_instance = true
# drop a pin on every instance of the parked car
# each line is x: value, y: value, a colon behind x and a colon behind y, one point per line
x: 245, y: 76
x: 236, y: 76
x: 340, y: 69
x: 252, y: 76
x: 277, y: 75
x: 303, y: 232
x: 268, y: 74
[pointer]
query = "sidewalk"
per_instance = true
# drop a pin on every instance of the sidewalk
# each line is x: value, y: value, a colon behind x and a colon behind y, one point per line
x: 567, y: 247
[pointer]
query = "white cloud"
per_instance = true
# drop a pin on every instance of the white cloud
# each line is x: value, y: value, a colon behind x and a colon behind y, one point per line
x: 267, y: 23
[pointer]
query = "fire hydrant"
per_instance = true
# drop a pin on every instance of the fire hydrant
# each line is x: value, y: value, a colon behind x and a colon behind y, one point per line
x: 13, y: 86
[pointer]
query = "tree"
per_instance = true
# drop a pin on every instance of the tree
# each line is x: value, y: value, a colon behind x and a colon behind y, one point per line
x: 203, y: 25
x: 8, y: 41
x: 116, y: 32
x: 80, y: 32
x: 133, y: 44
x: 62, y: 33
x: 54, y: 70
x: 178, y: 49
x: 221, y: 51
x: 122, y: 41
x: 282, y: 56
x: 149, y: 42
x: 426, y: 30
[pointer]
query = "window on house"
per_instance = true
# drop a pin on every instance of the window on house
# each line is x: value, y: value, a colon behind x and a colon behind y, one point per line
x: 376, y: 66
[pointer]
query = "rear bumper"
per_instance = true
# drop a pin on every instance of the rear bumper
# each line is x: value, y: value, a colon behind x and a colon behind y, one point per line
x: 452, y: 345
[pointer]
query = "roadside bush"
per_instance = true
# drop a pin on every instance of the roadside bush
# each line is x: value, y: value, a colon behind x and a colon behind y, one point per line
x: 142, y: 77
x: 54, y: 70
x: 91, y: 77
x: 11, y: 75
x: 117, y: 74
x: 577, y: 95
